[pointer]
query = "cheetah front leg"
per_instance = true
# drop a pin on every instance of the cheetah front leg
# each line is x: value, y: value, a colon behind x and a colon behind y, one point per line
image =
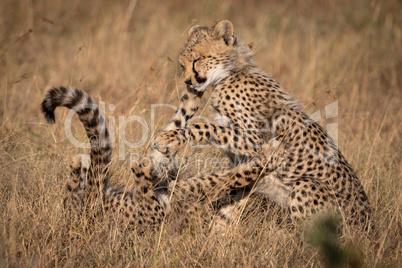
x: 234, y: 140
x: 165, y: 165
x: 205, y: 189
x: 211, y: 185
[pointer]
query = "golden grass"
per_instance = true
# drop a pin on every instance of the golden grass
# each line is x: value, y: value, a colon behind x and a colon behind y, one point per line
x: 124, y: 53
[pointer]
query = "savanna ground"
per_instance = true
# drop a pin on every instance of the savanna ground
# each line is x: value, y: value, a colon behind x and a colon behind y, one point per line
x: 124, y: 53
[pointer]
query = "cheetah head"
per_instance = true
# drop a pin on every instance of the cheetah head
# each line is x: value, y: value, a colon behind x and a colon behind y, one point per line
x: 210, y: 54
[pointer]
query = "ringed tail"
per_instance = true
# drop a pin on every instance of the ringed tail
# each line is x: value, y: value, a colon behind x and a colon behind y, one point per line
x: 90, y: 117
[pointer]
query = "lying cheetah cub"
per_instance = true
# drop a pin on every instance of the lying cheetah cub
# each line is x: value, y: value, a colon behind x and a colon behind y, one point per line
x: 88, y: 183
x: 141, y: 208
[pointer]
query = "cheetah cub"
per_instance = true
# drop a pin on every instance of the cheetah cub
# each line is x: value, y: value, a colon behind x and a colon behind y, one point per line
x: 88, y: 185
x: 249, y: 110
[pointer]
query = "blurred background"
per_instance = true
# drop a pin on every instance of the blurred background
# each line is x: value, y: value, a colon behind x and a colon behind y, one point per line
x: 125, y: 53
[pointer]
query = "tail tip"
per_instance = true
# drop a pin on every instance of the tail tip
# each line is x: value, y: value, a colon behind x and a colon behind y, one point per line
x: 50, y: 118
x: 48, y: 113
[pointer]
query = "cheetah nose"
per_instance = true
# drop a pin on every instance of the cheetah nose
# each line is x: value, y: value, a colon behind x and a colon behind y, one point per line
x: 188, y: 81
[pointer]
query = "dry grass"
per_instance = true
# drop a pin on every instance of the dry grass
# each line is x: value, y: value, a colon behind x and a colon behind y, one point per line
x: 124, y: 52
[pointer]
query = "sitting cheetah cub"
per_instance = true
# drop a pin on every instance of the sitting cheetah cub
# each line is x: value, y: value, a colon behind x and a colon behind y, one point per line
x: 249, y: 110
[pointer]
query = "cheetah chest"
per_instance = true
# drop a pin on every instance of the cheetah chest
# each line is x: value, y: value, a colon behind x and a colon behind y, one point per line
x: 216, y: 114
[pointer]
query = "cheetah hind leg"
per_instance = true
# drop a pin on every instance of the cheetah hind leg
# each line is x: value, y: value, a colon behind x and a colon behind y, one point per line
x: 250, y: 205
x: 151, y: 209
x: 308, y: 197
x: 79, y: 166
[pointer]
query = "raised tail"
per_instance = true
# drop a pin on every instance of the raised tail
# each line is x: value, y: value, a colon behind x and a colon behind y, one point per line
x: 90, y: 117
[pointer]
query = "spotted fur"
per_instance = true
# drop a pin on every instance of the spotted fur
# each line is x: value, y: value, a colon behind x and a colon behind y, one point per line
x: 88, y: 184
x: 91, y: 119
x: 165, y: 162
x: 142, y: 207
x: 249, y: 110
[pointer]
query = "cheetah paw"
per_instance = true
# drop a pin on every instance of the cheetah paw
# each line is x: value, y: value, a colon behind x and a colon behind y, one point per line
x: 141, y: 166
x: 169, y: 141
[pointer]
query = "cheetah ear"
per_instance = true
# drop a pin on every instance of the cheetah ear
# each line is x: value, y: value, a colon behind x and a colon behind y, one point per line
x: 193, y: 29
x: 224, y: 29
